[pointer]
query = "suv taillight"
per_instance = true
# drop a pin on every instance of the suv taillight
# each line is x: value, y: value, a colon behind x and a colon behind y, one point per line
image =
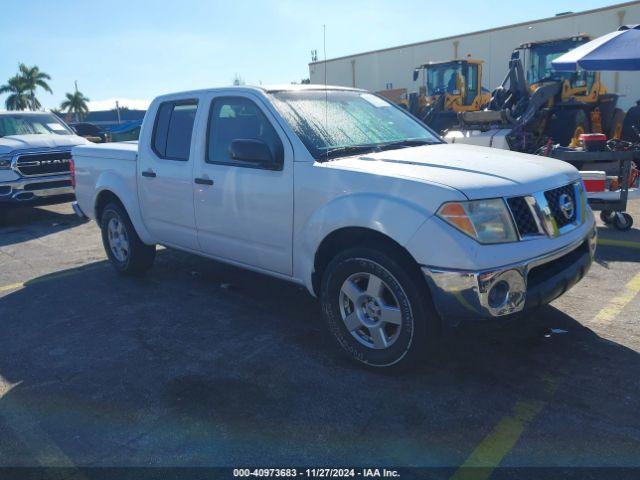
x: 72, y: 170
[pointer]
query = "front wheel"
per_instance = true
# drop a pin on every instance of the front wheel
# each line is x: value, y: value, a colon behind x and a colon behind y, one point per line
x: 125, y: 250
x: 377, y: 308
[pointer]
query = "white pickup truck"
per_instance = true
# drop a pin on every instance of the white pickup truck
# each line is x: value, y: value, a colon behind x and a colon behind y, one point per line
x: 337, y: 189
x: 35, y: 155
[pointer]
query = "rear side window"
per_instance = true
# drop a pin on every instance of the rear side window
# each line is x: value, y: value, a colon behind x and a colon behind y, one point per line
x: 173, y: 129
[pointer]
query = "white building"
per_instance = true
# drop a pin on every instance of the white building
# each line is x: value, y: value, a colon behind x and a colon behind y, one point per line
x: 393, y: 67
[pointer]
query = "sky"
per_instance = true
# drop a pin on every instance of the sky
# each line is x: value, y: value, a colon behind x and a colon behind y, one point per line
x: 135, y: 50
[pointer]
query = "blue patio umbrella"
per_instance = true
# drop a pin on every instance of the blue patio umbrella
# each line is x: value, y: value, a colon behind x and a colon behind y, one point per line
x: 615, y: 51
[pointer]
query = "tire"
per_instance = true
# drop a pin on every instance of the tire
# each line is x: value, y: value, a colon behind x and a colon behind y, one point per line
x: 565, y: 123
x: 4, y: 214
x: 606, y: 216
x: 617, y: 121
x: 389, y: 327
x: 623, y: 221
x: 126, y: 252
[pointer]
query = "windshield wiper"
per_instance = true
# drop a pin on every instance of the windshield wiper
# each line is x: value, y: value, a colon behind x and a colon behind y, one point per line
x: 405, y: 144
x: 334, y: 152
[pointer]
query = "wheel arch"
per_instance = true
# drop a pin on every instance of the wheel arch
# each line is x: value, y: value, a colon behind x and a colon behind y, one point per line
x: 111, y: 187
x: 370, y: 216
x: 351, y: 237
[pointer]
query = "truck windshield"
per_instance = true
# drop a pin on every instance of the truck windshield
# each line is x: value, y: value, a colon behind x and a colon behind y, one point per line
x: 541, y: 56
x: 443, y: 78
x: 342, y: 122
x: 29, y: 124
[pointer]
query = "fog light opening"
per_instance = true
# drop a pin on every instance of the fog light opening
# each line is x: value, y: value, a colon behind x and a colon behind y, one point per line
x: 23, y: 196
x: 499, y: 294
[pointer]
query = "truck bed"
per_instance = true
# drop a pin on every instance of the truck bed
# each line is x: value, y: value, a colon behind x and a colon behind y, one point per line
x: 98, y: 166
x: 117, y: 150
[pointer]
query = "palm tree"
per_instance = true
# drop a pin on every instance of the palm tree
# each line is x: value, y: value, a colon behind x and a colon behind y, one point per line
x: 34, y: 78
x: 18, y: 98
x: 75, y: 103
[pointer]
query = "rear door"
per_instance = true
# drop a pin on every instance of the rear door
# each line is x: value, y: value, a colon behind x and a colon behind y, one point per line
x: 165, y: 175
x: 244, y: 212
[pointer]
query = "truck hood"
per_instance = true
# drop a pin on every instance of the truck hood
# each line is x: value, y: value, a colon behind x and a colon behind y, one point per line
x: 477, y: 172
x: 12, y: 143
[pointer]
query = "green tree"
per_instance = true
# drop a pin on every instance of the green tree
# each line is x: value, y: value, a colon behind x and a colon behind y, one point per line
x: 76, y: 104
x: 33, y: 78
x: 18, y: 97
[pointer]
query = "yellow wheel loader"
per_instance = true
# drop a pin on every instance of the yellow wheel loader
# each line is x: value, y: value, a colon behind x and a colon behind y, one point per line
x: 536, y: 104
x: 445, y: 89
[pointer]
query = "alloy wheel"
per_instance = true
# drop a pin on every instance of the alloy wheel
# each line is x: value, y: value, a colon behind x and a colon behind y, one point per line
x: 370, y: 310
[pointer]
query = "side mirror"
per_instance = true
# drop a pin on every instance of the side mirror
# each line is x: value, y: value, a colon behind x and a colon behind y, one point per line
x: 416, y: 72
x: 252, y: 151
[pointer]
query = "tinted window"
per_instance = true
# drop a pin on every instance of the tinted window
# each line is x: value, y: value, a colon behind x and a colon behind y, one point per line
x: 31, y: 124
x: 173, y: 129
x: 234, y: 118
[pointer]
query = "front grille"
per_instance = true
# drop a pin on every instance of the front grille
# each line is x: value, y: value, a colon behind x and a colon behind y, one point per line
x: 47, y: 185
x: 554, y: 200
x: 523, y: 216
x: 30, y: 164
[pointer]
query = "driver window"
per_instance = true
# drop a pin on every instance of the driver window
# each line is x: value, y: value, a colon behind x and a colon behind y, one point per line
x: 233, y: 118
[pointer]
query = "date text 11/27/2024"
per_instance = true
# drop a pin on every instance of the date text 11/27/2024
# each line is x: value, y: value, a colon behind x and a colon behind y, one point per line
x: 316, y: 472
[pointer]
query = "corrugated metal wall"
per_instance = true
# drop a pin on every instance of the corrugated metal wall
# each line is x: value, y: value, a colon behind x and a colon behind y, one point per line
x: 379, y: 69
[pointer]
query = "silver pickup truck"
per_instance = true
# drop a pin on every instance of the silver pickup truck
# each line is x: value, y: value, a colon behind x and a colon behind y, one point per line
x: 35, y: 154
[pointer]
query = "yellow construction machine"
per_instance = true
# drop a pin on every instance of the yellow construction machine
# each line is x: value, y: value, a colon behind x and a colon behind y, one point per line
x: 536, y: 104
x: 446, y: 89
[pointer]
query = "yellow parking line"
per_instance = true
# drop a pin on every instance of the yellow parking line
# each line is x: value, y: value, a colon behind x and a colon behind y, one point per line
x: 52, y: 276
x: 617, y: 304
x: 618, y: 243
x: 13, y: 286
x: 495, y: 446
x: 490, y: 451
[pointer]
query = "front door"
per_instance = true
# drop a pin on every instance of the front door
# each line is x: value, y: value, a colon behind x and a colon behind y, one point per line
x: 165, y: 175
x: 244, y: 211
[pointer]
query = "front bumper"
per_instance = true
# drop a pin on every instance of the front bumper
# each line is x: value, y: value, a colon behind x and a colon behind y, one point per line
x: 512, y: 288
x: 25, y: 189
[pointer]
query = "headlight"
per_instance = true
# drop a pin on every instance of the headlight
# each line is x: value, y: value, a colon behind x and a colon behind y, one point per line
x: 487, y: 221
x: 5, y: 162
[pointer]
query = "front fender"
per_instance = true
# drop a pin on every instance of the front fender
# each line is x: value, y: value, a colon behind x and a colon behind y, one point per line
x: 391, y: 216
x: 126, y: 191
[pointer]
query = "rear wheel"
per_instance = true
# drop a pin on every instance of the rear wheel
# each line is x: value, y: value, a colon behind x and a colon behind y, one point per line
x: 567, y: 125
x: 127, y: 253
x: 377, y: 308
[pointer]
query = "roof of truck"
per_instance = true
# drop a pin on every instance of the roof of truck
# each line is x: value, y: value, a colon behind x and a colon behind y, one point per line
x: 297, y: 87
x: 261, y: 88
x: 22, y: 112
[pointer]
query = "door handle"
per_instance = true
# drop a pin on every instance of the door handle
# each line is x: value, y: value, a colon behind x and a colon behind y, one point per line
x: 149, y: 173
x: 203, y: 181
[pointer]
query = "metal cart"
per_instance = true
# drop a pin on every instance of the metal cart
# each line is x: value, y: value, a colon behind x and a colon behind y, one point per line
x: 611, y: 204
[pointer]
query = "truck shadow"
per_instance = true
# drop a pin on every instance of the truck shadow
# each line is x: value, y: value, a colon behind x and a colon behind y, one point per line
x: 22, y: 222
x: 202, y: 363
